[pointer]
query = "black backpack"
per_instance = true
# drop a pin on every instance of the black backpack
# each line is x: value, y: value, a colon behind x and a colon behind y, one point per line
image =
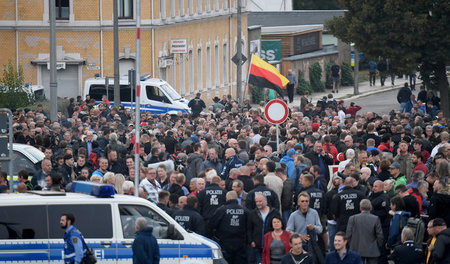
x: 417, y: 225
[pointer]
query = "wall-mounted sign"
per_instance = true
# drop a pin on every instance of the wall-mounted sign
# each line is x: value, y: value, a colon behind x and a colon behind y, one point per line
x: 178, y: 46
x: 92, y: 66
x: 59, y: 65
x: 166, y: 61
x: 306, y: 43
x: 271, y: 50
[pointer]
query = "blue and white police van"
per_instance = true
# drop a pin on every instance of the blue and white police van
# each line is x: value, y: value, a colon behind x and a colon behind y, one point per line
x: 30, y: 231
x: 156, y: 97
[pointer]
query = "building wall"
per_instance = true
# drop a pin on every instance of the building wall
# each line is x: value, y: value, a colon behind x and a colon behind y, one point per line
x: 303, y: 65
x: 205, y: 24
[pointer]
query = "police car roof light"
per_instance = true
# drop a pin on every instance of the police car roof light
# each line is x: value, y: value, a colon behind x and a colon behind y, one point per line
x: 145, y: 77
x: 93, y: 188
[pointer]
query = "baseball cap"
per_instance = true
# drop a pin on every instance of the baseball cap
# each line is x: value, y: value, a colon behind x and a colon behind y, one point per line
x: 395, y: 165
x: 291, y: 152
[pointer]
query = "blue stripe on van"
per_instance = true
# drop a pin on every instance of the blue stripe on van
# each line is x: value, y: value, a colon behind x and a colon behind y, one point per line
x: 149, y: 108
x: 56, y: 249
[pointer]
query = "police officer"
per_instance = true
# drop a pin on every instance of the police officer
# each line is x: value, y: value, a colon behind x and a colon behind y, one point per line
x: 317, y: 200
x: 74, y: 250
x: 380, y: 205
x: 211, y: 198
x: 189, y: 218
x: 229, y: 224
x: 196, y: 105
x: 346, y: 203
x: 260, y: 187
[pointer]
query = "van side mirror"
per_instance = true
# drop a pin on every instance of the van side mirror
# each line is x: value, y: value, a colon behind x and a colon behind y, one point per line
x: 172, y: 233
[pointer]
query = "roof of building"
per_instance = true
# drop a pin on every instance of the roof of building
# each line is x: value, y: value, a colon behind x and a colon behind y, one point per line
x: 288, y: 29
x: 291, y: 18
x: 326, y: 50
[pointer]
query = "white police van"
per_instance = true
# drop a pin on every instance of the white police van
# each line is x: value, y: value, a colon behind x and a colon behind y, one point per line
x: 157, y: 96
x: 30, y: 231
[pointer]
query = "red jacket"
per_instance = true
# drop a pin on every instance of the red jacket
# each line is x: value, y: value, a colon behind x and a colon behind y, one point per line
x: 333, y: 151
x: 384, y: 146
x: 353, y: 109
x: 268, y: 240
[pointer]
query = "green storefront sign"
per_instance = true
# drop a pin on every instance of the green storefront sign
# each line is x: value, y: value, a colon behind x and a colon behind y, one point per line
x: 271, y: 50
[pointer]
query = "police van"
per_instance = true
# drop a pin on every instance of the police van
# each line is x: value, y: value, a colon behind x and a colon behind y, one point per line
x: 157, y: 96
x: 30, y: 231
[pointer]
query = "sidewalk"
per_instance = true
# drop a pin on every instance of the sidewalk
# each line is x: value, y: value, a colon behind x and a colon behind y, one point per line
x: 346, y: 93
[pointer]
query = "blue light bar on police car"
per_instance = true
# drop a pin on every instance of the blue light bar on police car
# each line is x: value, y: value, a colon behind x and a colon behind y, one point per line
x: 93, y: 188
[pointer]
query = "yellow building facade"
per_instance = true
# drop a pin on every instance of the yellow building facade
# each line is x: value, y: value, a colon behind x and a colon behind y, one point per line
x: 188, y: 43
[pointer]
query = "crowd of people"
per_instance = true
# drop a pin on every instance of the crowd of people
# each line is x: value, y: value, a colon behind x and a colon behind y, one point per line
x: 336, y: 188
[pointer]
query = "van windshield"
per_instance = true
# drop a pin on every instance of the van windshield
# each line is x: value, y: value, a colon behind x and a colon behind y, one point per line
x: 171, y: 92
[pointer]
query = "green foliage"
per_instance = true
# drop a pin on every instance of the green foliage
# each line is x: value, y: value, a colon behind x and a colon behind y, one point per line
x: 13, y: 94
x: 303, y: 86
x: 316, y: 5
x: 315, y: 75
x: 328, y: 80
x: 347, y: 75
x: 408, y: 33
x: 257, y: 94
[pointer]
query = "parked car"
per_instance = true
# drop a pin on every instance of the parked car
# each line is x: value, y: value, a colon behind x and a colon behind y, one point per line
x: 25, y: 157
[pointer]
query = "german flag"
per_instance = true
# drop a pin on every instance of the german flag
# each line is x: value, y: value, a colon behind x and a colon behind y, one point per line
x: 262, y: 74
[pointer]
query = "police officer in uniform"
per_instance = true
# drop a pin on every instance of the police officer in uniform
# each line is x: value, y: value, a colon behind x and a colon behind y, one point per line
x: 380, y: 205
x: 211, y: 198
x: 196, y: 105
x: 74, y: 249
x: 189, y: 218
x: 317, y: 200
x: 346, y: 204
x: 260, y: 187
x: 229, y: 225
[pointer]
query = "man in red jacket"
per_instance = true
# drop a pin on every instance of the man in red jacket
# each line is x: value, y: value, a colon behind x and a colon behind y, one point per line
x: 352, y: 109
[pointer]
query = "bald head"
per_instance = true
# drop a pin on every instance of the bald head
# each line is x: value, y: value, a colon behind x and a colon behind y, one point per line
x: 230, y: 152
x: 231, y: 195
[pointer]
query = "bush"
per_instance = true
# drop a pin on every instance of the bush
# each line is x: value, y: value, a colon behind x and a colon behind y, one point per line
x: 303, y: 85
x: 13, y: 94
x: 257, y: 94
x: 328, y: 80
x: 347, y: 75
x: 315, y: 75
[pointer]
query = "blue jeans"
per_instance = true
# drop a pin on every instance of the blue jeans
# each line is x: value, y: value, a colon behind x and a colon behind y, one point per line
x: 285, y: 216
x: 332, y: 230
x: 412, y: 81
x: 403, y: 107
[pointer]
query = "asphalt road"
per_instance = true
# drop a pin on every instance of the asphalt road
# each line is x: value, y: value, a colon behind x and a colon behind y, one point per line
x: 380, y: 103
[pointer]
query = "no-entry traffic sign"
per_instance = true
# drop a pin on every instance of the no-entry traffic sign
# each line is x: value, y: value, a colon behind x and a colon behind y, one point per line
x: 276, y: 111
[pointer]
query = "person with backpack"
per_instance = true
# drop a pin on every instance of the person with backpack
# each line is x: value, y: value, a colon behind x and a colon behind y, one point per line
x: 74, y: 250
x: 398, y: 222
x: 335, y: 76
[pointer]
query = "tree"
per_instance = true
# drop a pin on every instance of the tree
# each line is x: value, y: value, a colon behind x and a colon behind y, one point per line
x: 13, y: 93
x: 316, y: 5
x: 410, y: 33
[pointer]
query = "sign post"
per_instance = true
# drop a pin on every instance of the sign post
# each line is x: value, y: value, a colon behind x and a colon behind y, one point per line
x: 276, y: 112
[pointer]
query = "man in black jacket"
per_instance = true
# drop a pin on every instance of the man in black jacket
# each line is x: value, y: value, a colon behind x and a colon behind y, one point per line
x: 189, y: 218
x: 196, y: 105
x: 260, y: 187
x: 346, y: 204
x: 320, y: 158
x: 259, y: 223
x: 403, y: 96
x: 380, y: 205
x: 229, y: 225
x: 211, y: 198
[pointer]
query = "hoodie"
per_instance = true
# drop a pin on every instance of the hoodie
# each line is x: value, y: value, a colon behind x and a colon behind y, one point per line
x: 145, y: 248
x: 194, y: 163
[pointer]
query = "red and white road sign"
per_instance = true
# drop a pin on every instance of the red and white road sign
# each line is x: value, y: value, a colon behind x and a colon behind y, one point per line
x: 276, y: 111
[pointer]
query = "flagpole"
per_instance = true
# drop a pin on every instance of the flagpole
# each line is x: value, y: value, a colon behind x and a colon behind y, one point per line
x: 248, y: 74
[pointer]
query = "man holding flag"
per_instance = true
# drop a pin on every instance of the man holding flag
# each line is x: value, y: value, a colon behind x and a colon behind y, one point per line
x: 263, y: 74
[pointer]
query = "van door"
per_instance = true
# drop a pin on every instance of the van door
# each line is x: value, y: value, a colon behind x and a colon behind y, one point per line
x: 168, y: 248
x: 23, y: 234
x: 157, y: 102
x: 95, y: 223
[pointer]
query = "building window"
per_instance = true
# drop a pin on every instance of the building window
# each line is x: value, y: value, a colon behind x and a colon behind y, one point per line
x: 216, y: 5
x: 125, y: 9
x: 225, y: 63
x: 199, y: 70
x: 181, y: 7
x: 224, y: 4
x: 62, y: 9
x: 208, y: 68
x: 182, y: 76
x: 173, y: 72
x: 208, y: 5
x: 191, y: 7
x: 191, y: 71
x: 216, y: 66
x: 162, y: 9
x: 199, y: 6
x: 172, y: 8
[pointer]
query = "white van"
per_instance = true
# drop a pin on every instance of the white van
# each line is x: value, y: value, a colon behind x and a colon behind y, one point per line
x: 30, y: 231
x: 157, y: 96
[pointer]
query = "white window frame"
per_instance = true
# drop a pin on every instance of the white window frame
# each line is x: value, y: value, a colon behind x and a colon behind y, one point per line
x: 199, y: 7
x: 181, y: 8
x: 199, y: 69
x: 162, y: 9
x: 216, y: 65
x: 191, y: 7
x: 191, y: 70
x: 182, y: 75
x: 208, y: 67
x: 225, y: 63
